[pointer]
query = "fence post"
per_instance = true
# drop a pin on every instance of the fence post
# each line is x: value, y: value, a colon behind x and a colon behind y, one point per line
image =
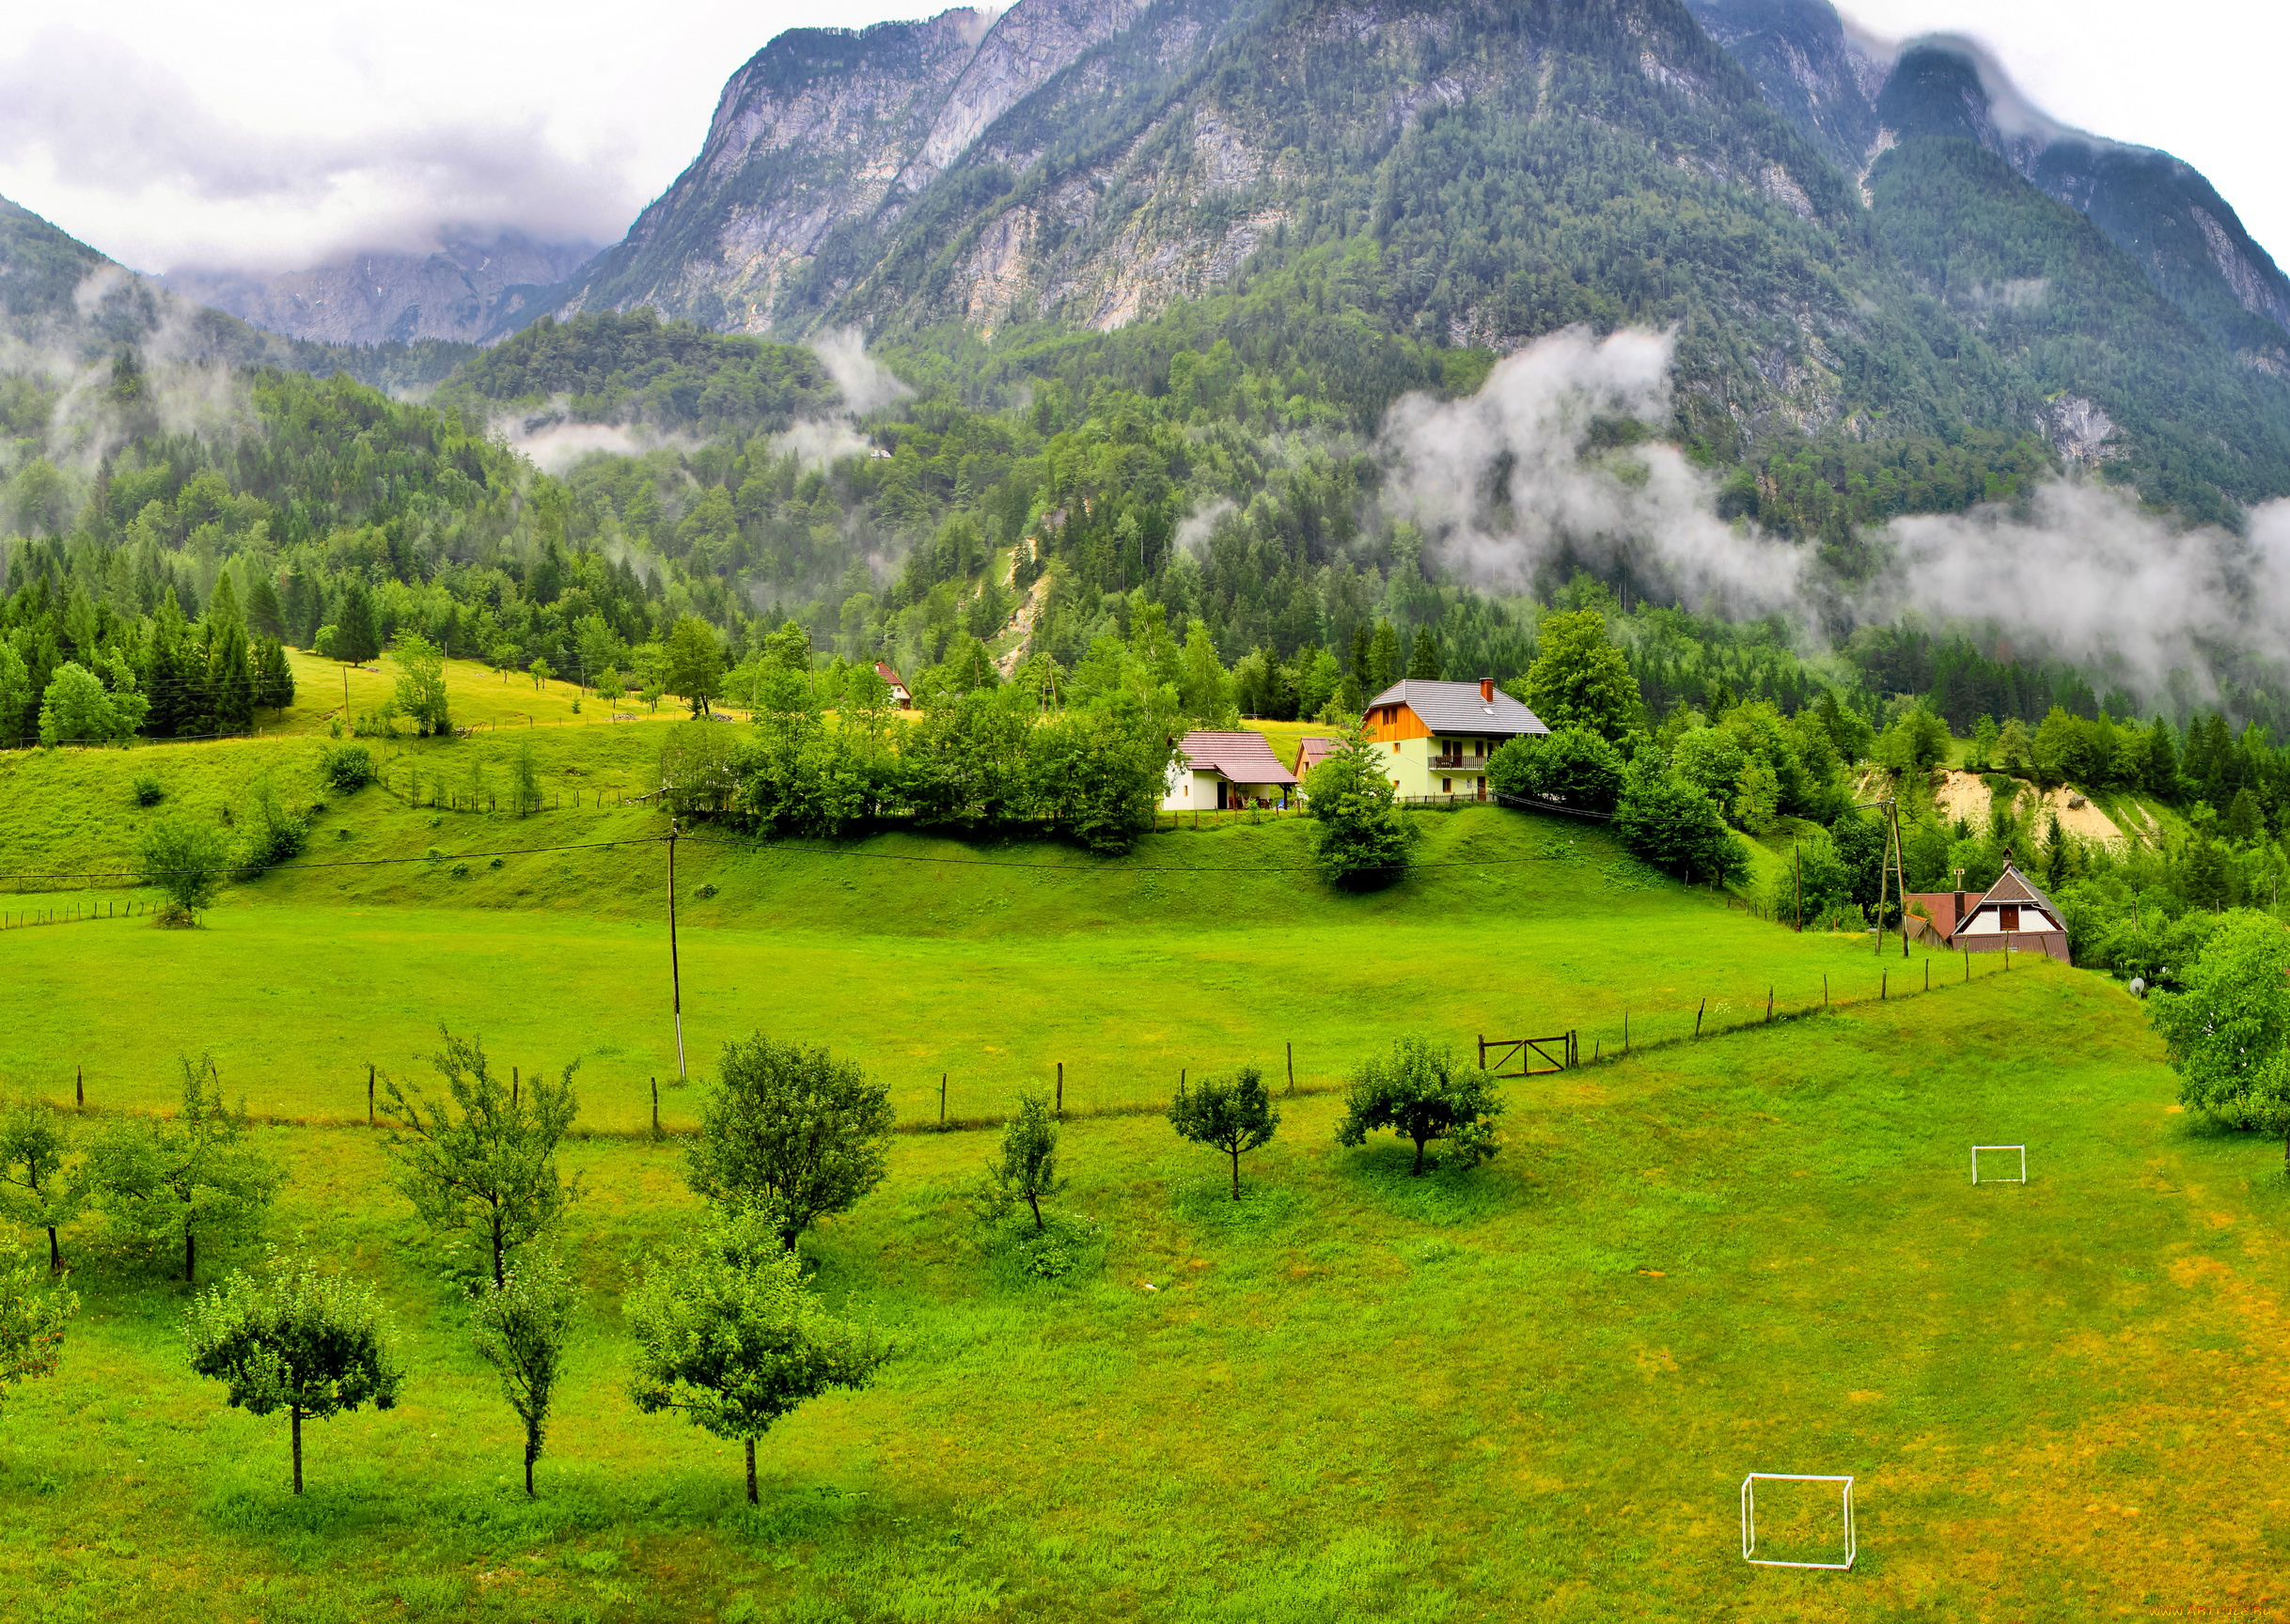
x: 1061, y: 1090
x: 1882, y: 983
x: 1824, y: 991
x: 942, y: 1099
x: 1769, y: 1006
x: 1291, y: 1065
x: 1625, y: 1031
x: 79, y: 1088
x: 369, y: 1093
x: 1927, y: 972
x: 1482, y: 1051
x: 1706, y: 1004
x: 655, y: 1107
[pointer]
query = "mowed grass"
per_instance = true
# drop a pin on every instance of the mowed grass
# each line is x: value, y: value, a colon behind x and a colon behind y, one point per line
x: 987, y: 966
x: 1527, y: 1392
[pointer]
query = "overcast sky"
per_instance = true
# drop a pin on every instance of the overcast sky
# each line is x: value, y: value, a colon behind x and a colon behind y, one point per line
x: 270, y: 133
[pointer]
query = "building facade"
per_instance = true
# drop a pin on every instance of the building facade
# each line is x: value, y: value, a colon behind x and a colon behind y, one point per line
x: 1437, y: 737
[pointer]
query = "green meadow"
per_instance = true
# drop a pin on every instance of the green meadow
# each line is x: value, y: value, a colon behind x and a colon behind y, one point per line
x: 1528, y: 1391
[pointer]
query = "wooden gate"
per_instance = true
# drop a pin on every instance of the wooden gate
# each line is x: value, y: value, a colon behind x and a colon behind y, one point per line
x: 1556, y: 1054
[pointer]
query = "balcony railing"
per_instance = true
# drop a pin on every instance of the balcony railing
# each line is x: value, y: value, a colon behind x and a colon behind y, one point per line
x: 1449, y: 764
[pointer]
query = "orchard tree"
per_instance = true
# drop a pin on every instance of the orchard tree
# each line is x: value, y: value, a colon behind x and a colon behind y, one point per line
x: 1229, y: 1114
x: 1361, y: 838
x: 38, y: 1189
x: 727, y: 1333
x: 1420, y: 1093
x: 34, y: 1307
x: 297, y: 1338
x: 187, y: 860
x: 481, y: 1164
x: 1580, y: 680
x: 520, y: 1327
x: 166, y: 1182
x: 1028, y: 1170
x: 791, y: 1133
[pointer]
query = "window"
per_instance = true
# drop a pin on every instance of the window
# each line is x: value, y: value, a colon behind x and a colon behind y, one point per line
x: 2008, y: 916
x: 1447, y: 786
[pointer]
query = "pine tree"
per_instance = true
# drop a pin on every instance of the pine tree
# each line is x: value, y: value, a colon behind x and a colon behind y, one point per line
x: 263, y: 616
x: 1383, y: 659
x: 230, y: 684
x: 274, y: 678
x: 1426, y: 663
x: 356, y: 637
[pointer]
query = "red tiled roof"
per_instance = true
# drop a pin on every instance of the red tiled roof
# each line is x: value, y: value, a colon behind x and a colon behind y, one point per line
x: 1242, y: 758
x: 1312, y: 752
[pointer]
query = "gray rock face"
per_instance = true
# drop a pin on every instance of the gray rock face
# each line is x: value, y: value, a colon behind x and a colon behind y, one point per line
x: 465, y: 290
x: 826, y: 135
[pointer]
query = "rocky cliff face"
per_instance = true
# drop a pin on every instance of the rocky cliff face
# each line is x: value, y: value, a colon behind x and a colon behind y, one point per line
x: 1856, y: 101
x: 464, y: 291
x: 826, y: 135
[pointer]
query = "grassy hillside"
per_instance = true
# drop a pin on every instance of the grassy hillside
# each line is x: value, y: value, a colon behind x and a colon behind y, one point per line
x: 1529, y: 1391
x: 921, y: 955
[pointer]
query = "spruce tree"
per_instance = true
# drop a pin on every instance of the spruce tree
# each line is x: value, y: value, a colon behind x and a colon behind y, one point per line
x: 264, y: 617
x: 357, y: 637
x: 230, y: 684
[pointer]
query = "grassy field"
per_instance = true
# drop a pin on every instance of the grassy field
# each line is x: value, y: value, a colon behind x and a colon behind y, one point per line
x: 1529, y: 1391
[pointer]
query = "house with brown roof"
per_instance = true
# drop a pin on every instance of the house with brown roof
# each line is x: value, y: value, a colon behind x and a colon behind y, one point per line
x: 2012, y: 911
x: 900, y: 694
x: 1310, y: 752
x: 1217, y: 771
x: 1437, y: 736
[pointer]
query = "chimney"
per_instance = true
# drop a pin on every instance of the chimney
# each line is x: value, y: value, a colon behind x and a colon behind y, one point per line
x: 1486, y: 689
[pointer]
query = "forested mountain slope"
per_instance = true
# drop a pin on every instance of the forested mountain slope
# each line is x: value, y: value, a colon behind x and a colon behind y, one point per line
x: 1493, y: 173
x: 71, y: 305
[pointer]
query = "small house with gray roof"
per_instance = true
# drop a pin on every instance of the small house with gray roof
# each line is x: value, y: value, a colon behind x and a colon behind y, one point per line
x: 1437, y: 736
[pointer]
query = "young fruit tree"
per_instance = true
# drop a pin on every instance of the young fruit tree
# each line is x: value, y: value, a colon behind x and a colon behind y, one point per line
x: 1420, y: 1093
x: 727, y: 1333
x: 2227, y: 1031
x: 1230, y: 1114
x: 165, y: 1183
x: 38, y: 1186
x: 520, y: 1328
x: 297, y: 1338
x: 482, y: 1164
x: 187, y: 860
x: 790, y: 1131
x: 1028, y: 1170
x: 33, y: 1309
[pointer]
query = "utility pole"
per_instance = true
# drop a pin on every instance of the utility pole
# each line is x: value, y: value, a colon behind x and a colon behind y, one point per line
x: 1899, y: 873
x: 1796, y: 865
x: 675, y: 976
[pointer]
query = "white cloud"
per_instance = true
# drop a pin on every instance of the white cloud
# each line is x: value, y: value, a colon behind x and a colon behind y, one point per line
x: 866, y: 383
x: 1504, y: 482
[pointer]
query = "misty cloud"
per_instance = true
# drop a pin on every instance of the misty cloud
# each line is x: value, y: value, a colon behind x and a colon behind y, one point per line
x: 108, y: 121
x: 1507, y: 481
x: 866, y: 383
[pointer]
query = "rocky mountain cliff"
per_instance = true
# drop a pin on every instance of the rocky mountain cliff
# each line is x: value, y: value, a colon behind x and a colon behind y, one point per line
x: 1847, y: 239
x: 462, y: 290
x: 1858, y: 100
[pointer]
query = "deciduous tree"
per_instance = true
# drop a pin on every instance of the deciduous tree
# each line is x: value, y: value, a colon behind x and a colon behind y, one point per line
x: 38, y: 1186
x: 1361, y: 838
x: 791, y: 1133
x: 1229, y: 1114
x: 34, y: 1310
x: 2228, y: 1032
x: 520, y: 1327
x: 422, y: 683
x: 1580, y: 680
x: 1420, y: 1093
x: 167, y: 1183
x: 728, y: 1333
x: 295, y: 1338
x: 1027, y: 1168
x: 186, y: 859
x: 482, y: 1162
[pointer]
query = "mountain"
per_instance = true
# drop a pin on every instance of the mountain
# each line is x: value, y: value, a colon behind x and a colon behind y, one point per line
x: 464, y: 291
x: 1852, y: 244
x: 1857, y: 99
x: 76, y: 305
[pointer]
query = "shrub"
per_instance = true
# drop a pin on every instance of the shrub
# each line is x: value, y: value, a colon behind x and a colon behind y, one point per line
x: 150, y: 792
x: 1360, y: 839
x: 273, y: 834
x: 1574, y: 767
x: 184, y: 859
x: 347, y: 767
x: 1421, y: 1094
x: 1674, y: 825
